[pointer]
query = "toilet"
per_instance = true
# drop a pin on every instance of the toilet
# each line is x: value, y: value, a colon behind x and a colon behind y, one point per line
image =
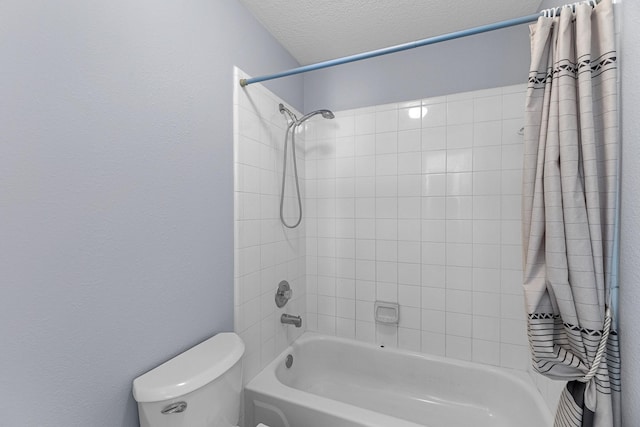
x: 198, y: 388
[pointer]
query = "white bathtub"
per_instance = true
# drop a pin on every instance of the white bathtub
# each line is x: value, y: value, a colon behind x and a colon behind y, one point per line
x: 336, y: 382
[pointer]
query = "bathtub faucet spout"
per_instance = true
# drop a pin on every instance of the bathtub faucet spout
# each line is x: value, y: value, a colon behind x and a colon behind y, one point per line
x: 289, y: 319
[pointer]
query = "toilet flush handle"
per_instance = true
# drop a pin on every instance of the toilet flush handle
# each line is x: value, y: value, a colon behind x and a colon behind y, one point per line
x: 175, y: 408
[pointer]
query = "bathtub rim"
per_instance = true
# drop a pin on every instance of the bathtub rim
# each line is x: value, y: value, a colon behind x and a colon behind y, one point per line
x: 267, y: 383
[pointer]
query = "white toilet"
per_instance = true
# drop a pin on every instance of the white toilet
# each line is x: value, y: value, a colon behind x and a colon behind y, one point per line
x: 198, y: 388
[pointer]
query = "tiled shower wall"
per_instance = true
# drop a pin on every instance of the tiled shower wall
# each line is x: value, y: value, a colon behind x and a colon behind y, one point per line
x: 418, y: 203
x: 265, y: 251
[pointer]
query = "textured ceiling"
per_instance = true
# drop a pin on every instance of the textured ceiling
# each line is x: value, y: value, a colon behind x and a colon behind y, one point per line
x: 314, y: 31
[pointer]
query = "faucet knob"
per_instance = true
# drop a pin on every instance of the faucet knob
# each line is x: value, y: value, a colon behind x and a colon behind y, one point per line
x: 283, y: 294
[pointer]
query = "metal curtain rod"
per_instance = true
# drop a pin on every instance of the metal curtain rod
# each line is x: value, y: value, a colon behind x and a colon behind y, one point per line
x: 397, y: 48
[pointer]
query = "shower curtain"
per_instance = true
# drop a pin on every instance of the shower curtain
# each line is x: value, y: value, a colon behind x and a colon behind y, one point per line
x: 569, y: 210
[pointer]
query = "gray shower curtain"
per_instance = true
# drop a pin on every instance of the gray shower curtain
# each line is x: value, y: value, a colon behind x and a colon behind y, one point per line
x: 569, y: 210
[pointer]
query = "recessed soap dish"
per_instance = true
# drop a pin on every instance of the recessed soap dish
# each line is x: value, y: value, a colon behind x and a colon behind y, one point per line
x: 386, y: 312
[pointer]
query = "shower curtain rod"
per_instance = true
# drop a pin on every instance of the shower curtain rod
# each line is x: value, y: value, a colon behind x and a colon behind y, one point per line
x: 396, y: 48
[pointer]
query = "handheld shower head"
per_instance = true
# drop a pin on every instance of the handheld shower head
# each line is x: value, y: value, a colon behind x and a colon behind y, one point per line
x: 327, y: 114
x: 284, y: 109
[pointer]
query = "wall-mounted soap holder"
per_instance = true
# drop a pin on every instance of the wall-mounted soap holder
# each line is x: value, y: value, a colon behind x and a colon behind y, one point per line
x: 386, y: 312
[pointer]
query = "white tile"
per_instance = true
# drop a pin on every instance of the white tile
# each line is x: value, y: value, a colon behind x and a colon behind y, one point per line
x: 511, y: 257
x: 435, y: 207
x: 513, y: 105
x: 409, y: 296
x: 434, y: 161
x: 513, y: 332
x: 458, y: 324
x: 511, y: 282
x: 458, y: 347
x: 409, y: 185
x: 365, y: 270
x: 459, y: 207
x: 459, y: 160
x: 436, y: 184
x: 486, y: 183
x: 365, y: 123
x: 364, y: 311
x: 460, y: 112
x: 433, y: 343
x: 408, y: 207
x: 345, y: 146
x: 386, y: 121
x: 512, y: 182
x: 434, y: 138
x: 433, y: 298
x: 365, y: 165
x: 365, y: 290
x: 365, y: 229
x: 386, y: 207
x: 433, y: 231
x: 512, y: 307
x: 346, y: 308
x: 346, y: 328
x: 433, y: 321
x: 326, y: 305
x: 487, y: 207
x: 386, y: 250
x: 365, y: 249
x: 511, y: 207
x: 346, y: 288
x: 409, y: 273
x: 345, y: 188
x: 486, y: 280
x: 409, y: 251
x: 409, y: 317
x: 434, y: 253
x: 411, y: 117
x: 387, y: 272
x: 409, y: 230
x: 459, y: 301
x: 511, y: 130
x: 365, y: 331
x: 486, y: 304
x: 487, y: 158
x: 345, y: 167
x: 436, y: 115
x: 514, y: 356
x: 326, y: 324
x: 511, y: 232
x: 460, y: 136
x: 459, y: 278
x: 386, y: 335
x: 487, y: 133
x: 386, y: 164
x: 486, y: 352
x: 386, y: 186
x: 409, y: 339
x: 459, y: 231
x: 409, y: 141
x: 345, y: 248
x: 433, y: 276
x: 486, y: 256
x: 512, y: 156
x: 461, y: 184
x: 409, y: 164
x: 386, y: 229
x: 488, y: 108
x: 486, y: 231
x: 365, y: 145
x: 486, y: 328
x: 460, y: 254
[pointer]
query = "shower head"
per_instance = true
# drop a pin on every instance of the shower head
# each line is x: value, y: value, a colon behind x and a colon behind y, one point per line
x: 325, y: 114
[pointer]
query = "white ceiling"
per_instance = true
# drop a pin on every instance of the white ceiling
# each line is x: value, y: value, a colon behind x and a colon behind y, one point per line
x: 317, y: 30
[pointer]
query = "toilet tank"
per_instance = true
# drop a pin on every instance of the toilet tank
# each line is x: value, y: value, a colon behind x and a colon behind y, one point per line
x: 200, y: 387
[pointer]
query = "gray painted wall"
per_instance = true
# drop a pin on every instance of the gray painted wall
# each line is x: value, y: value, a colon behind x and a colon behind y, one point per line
x: 116, y: 194
x: 498, y: 58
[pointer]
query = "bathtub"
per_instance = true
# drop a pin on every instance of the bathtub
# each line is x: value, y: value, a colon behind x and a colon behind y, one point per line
x: 336, y: 382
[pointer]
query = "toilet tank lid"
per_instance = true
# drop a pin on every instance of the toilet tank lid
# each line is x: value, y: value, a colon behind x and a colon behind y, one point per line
x: 190, y: 370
